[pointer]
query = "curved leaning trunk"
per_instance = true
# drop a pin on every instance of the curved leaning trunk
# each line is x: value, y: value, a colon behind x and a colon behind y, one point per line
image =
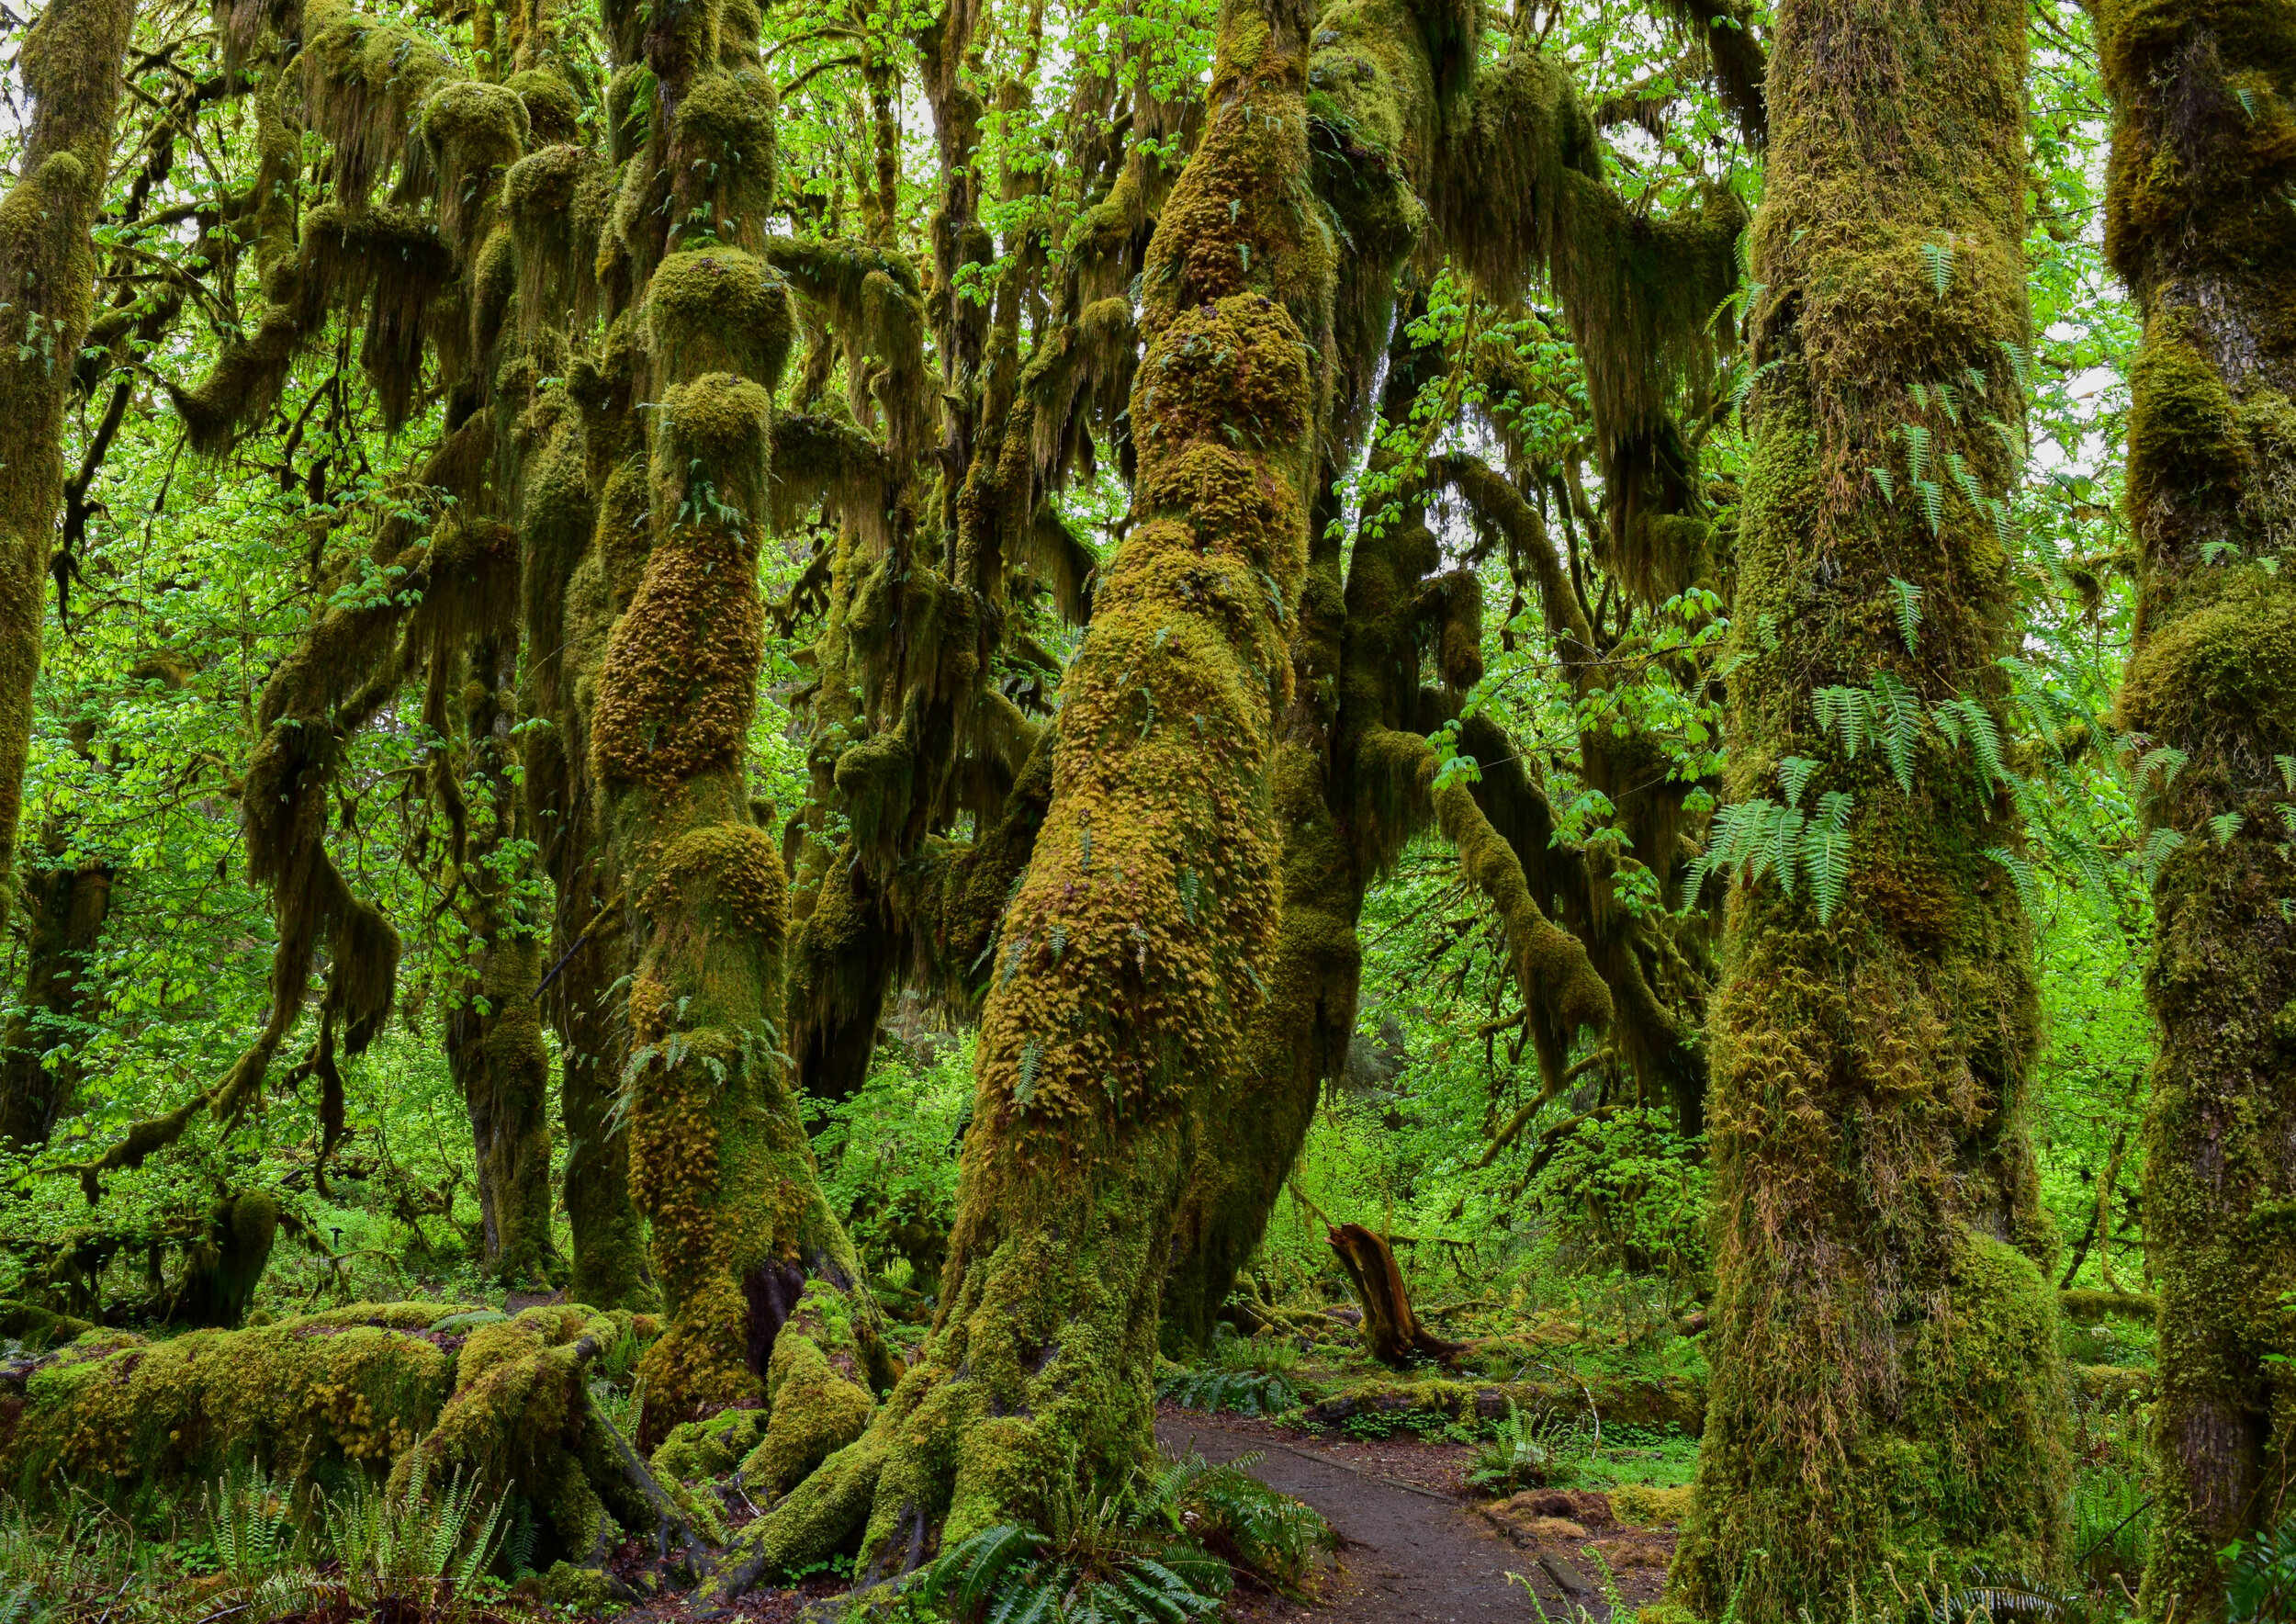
x: 71, y: 64
x: 1124, y: 974
x: 1888, y: 1397
x: 2198, y: 226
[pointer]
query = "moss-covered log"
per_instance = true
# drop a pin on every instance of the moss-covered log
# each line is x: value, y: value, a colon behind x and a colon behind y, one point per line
x: 71, y: 64
x: 1888, y: 1392
x: 323, y: 1399
x: 2198, y: 226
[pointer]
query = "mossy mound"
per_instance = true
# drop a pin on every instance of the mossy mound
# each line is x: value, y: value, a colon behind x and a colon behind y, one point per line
x: 325, y: 1398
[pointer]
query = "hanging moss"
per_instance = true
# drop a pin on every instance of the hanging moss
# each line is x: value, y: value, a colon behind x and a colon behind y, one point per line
x: 722, y: 145
x: 391, y: 264
x: 243, y: 385
x: 554, y: 200
x: 554, y: 111
x: 363, y: 81
x: 472, y: 131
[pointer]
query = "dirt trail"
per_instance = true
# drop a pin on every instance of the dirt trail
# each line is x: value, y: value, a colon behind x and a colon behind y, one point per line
x: 1412, y: 1556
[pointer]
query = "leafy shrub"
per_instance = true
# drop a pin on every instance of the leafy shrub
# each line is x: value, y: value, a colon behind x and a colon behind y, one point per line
x: 2262, y: 1583
x: 1247, y: 1392
x: 889, y: 1158
x: 1626, y: 1192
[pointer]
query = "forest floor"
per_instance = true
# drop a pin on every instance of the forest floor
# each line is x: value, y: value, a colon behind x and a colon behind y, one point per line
x: 1416, y: 1546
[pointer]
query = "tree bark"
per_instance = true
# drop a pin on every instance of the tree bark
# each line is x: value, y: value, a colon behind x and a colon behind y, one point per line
x: 767, y: 1299
x: 66, y: 903
x: 71, y: 64
x: 1125, y: 975
x: 2198, y: 226
x: 1888, y: 1399
x: 1390, y: 1330
x: 494, y: 1034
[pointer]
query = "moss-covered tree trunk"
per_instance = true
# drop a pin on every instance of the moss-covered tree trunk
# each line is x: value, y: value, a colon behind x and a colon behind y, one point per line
x: 1125, y: 973
x: 568, y: 612
x: 71, y: 64
x: 494, y: 1034
x: 66, y: 903
x: 765, y: 1294
x: 1888, y: 1396
x: 2199, y: 227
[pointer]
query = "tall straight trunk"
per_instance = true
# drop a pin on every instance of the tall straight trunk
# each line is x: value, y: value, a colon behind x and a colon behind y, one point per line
x: 494, y: 1037
x: 66, y: 903
x: 2197, y: 223
x: 1887, y: 1399
x: 1125, y: 973
x: 567, y: 614
x: 71, y: 63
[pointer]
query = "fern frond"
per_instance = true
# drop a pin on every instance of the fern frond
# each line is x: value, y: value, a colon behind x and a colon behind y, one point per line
x: 2161, y: 846
x: 1897, y: 717
x: 1908, y: 609
x: 1918, y: 439
x: 1826, y: 852
x: 1962, y: 478
x: 1786, y: 845
x: 1938, y: 259
x: 2165, y: 760
x: 1794, y: 776
x: 1839, y: 709
x: 1970, y: 719
x: 2020, y: 874
x: 2225, y: 824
